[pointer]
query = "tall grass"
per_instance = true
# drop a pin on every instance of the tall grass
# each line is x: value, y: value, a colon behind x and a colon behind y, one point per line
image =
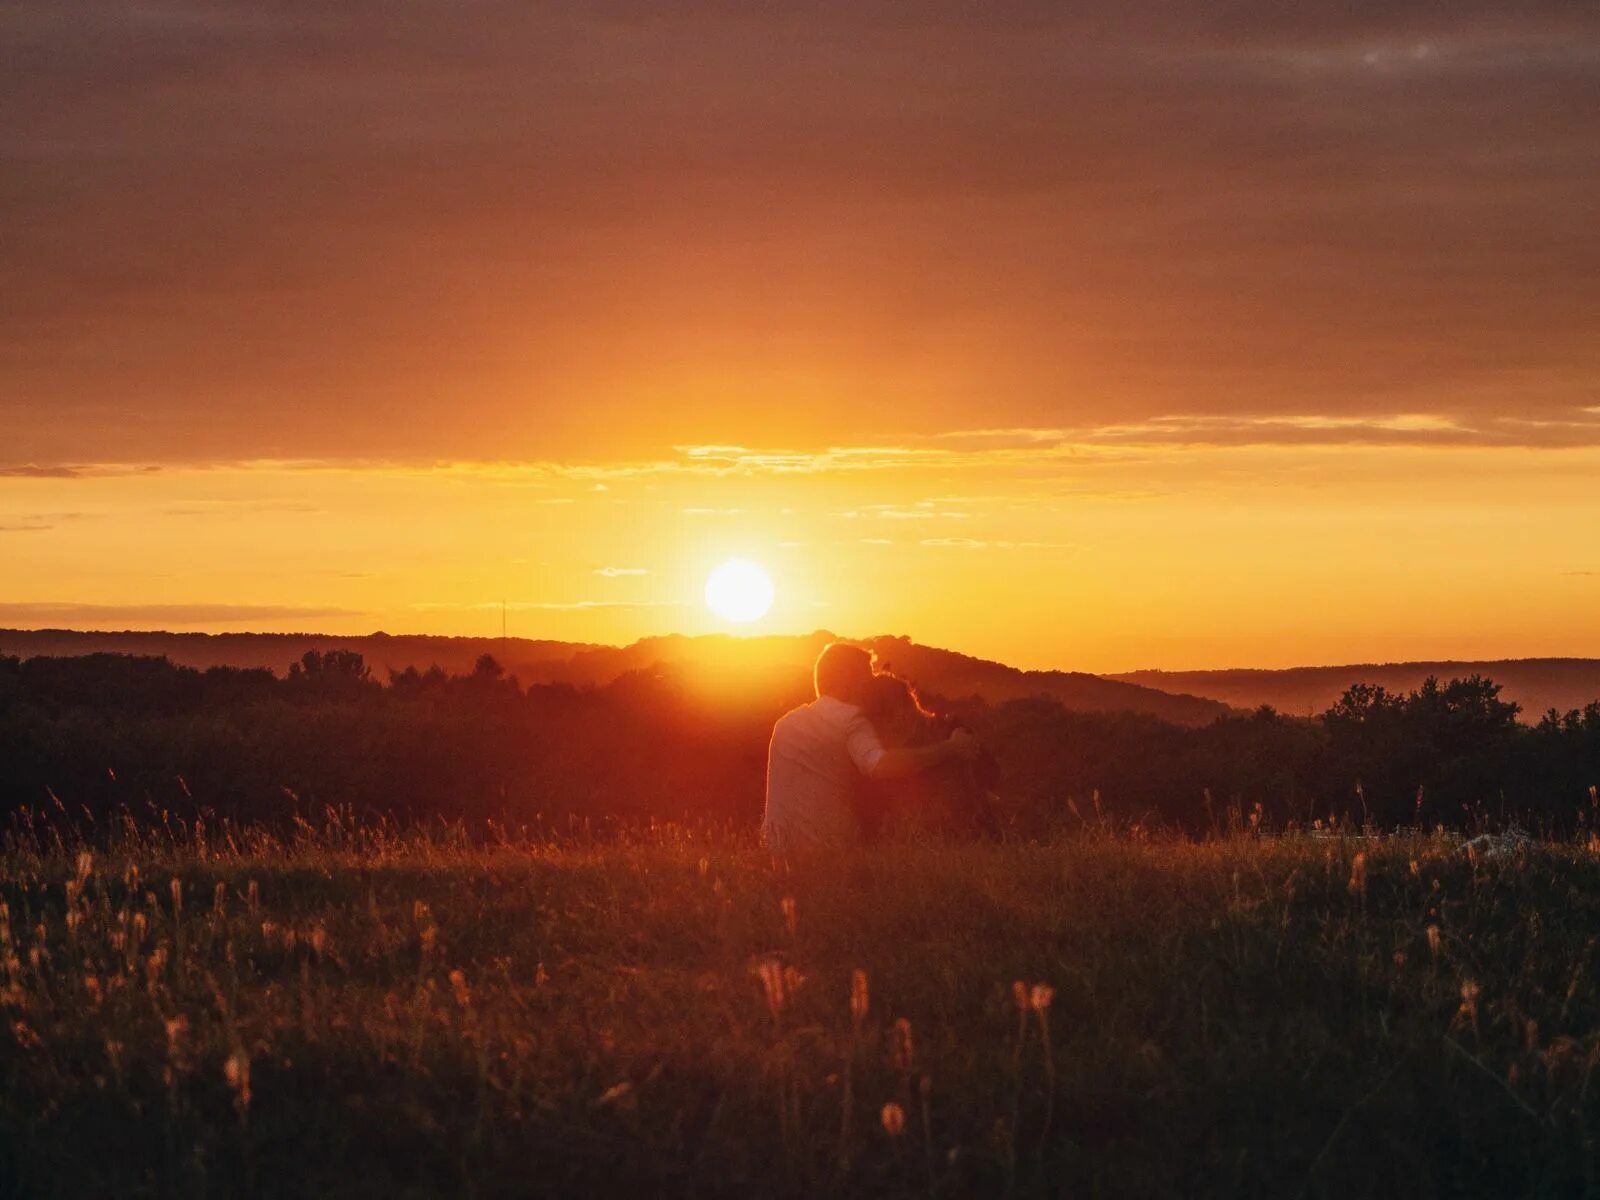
x: 358, y: 1009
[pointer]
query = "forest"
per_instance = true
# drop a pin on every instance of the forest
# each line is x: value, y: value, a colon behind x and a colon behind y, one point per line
x: 88, y: 737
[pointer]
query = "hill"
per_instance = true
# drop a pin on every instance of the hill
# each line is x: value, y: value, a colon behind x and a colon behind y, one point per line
x: 732, y: 667
x: 1537, y: 684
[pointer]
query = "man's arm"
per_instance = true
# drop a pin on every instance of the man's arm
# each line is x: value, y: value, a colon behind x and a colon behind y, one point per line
x: 910, y: 760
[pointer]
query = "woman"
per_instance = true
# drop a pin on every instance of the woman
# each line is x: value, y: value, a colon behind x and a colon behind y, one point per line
x: 951, y: 799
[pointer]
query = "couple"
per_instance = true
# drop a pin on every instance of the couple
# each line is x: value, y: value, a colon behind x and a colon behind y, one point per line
x: 829, y: 760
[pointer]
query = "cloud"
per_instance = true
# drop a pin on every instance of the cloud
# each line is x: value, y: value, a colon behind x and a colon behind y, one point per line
x: 111, y: 466
x: 238, y: 508
x: 70, y: 615
x: 38, y: 522
x: 543, y: 605
x: 31, y: 471
x: 1079, y: 216
x: 980, y: 544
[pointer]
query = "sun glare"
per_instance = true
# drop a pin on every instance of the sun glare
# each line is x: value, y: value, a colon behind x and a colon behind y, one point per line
x: 739, y: 590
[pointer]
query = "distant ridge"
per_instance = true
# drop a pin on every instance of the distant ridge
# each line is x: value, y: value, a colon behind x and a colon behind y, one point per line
x: 1537, y: 684
x: 277, y: 650
x: 779, y: 664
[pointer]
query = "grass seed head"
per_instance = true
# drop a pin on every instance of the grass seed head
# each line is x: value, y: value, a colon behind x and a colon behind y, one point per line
x: 771, y: 976
x: 1358, y: 875
x: 1040, y: 996
x: 860, y: 996
x: 904, y: 1048
x: 236, y: 1071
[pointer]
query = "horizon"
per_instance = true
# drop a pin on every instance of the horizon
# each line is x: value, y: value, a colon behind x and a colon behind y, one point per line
x: 821, y: 632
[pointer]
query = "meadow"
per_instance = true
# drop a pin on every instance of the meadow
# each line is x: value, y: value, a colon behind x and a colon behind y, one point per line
x: 353, y: 1010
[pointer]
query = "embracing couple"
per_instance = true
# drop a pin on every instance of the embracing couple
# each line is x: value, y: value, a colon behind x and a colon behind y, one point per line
x: 836, y: 766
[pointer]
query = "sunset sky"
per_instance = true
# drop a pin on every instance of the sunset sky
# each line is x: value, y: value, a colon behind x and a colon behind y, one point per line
x: 1148, y: 334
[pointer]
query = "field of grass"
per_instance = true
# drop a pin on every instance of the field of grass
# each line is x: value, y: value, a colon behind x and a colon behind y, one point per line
x: 366, y: 1014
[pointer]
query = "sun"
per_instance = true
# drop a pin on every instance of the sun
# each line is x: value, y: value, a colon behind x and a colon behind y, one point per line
x: 739, y: 590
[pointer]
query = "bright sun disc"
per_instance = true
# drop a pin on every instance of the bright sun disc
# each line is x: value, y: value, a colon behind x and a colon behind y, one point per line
x: 739, y: 590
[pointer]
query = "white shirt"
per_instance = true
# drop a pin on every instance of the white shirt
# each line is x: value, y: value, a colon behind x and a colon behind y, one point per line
x: 818, y: 753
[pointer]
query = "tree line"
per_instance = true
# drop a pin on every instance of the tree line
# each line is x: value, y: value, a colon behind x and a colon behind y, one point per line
x: 100, y: 734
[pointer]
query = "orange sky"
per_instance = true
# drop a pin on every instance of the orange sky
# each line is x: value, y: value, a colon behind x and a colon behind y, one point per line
x: 1098, y: 337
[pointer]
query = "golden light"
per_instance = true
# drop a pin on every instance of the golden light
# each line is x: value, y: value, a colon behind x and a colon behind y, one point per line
x: 739, y: 590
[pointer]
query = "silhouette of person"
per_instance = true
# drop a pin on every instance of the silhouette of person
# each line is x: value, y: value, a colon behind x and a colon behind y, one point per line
x: 820, y: 750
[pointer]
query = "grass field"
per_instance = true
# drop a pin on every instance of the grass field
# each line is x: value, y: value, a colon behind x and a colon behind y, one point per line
x: 366, y: 1014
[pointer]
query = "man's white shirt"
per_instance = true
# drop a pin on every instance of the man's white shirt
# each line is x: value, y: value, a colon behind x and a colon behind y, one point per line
x: 817, y: 756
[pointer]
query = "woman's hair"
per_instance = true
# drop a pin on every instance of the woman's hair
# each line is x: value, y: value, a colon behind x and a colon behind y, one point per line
x: 893, y: 707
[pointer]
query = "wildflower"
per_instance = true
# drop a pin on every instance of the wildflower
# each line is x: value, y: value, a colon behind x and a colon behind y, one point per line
x: 894, y: 1119
x: 860, y: 997
x: 1040, y: 996
x: 1358, y: 876
x: 787, y: 905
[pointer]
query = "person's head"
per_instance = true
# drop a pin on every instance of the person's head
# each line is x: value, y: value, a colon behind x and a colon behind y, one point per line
x: 843, y: 672
x: 895, y: 710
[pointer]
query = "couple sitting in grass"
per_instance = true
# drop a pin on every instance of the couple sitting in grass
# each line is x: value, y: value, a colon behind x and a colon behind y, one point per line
x: 864, y: 761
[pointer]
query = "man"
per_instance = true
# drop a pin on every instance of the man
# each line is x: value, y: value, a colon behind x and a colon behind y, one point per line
x: 819, y: 751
